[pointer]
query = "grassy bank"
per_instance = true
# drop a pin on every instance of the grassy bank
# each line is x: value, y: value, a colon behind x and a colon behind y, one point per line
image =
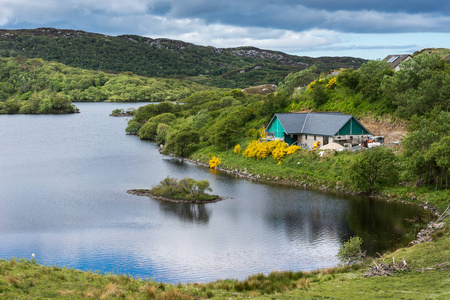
x: 309, y: 169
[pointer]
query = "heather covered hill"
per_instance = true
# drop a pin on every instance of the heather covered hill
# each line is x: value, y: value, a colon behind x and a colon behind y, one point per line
x: 222, y: 67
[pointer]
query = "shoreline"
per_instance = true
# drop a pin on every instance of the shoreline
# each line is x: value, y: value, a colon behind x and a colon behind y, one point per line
x: 423, y: 235
x: 306, y: 185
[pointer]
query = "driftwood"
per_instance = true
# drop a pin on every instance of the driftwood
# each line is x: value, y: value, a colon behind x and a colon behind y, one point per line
x: 438, y: 267
x: 385, y: 269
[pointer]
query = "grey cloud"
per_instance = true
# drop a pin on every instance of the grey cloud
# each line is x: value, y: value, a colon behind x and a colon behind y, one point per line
x: 347, y: 15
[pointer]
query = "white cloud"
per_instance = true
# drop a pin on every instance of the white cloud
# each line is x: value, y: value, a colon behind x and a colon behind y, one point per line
x: 224, y: 36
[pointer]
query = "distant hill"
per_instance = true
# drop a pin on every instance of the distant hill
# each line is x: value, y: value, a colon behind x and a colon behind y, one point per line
x: 222, y: 67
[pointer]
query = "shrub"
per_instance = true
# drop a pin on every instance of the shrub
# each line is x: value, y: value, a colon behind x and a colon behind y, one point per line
x: 186, y: 188
x: 237, y: 149
x: 373, y: 169
x: 214, y: 162
x: 350, y: 252
x: 277, y: 149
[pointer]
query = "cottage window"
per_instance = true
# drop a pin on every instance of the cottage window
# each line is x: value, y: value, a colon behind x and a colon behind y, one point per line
x: 314, y: 137
x: 306, y: 136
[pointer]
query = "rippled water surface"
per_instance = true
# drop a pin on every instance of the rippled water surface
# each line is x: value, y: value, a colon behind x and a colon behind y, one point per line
x: 63, y: 183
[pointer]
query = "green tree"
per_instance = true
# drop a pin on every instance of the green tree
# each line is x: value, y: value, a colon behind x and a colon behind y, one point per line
x: 373, y: 169
x: 12, y: 106
x: 419, y: 86
x: 181, y: 141
x: 439, y: 156
x: 371, y: 75
x: 420, y: 164
x: 298, y: 79
x: 149, y: 130
x: 350, y: 252
x: 349, y: 78
x: 162, y: 132
x: 319, y: 94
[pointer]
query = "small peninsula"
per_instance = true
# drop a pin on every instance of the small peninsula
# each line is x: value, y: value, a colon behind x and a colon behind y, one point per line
x: 186, y: 190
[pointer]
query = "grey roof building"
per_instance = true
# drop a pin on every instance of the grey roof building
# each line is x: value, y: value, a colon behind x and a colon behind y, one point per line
x: 396, y: 59
x: 296, y: 127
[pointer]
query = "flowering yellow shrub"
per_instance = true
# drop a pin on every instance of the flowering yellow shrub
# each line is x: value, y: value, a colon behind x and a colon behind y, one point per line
x: 277, y: 149
x: 256, y: 133
x: 237, y: 149
x: 292, y: 149
x: 331, y: 83
x: 262, y: 133
x: 214, y: 162
x: 311, y: 85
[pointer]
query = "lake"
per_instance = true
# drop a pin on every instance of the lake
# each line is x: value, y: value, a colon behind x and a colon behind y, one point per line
x: 63, y: 196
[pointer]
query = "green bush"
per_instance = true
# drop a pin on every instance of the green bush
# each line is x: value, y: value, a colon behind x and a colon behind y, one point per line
x: 350, y: 252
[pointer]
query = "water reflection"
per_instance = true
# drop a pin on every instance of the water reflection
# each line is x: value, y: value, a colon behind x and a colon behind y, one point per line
x: 193, y: 213
x: 381, y: 225
x: 307, y: 216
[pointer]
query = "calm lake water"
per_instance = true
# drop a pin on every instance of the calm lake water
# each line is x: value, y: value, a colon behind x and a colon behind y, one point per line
x: 63, y: 196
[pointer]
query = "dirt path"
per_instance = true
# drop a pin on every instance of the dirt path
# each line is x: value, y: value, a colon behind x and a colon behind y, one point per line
x: 392, y: 131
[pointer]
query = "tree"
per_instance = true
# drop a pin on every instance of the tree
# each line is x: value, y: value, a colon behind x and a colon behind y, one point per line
x: 149, y: 130
x: 423, y: 152
x: 439, y: 155
x: 349, y: 78
x: 373, y: 169
x: 298, y: 79
x: 371, y: 75
x: 350, y: 252
x: 419, y: 86
x: 181, y: 140
x: 161, y: 133
x: 319, y: 94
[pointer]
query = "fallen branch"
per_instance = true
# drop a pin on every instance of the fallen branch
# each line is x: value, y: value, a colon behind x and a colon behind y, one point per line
x: 444, y: 215
x: 385, y: 269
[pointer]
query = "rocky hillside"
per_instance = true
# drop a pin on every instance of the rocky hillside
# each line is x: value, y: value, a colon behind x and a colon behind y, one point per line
x: 223, y: 67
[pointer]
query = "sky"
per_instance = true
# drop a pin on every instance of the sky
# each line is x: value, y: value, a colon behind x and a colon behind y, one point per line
x: 360, y: 28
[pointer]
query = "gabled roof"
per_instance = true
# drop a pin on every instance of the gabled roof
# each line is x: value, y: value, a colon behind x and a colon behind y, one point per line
x: 325, y: 124
x: 396, y: 59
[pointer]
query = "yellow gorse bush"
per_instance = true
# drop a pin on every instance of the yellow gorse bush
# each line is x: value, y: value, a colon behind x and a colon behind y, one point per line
x: 262, y: 133
x: 277, y: 149
x: 237, y: 149
x: 214, y: 162
x: 311, y: 85
x: 331, y: 83
x: 256, y: 133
